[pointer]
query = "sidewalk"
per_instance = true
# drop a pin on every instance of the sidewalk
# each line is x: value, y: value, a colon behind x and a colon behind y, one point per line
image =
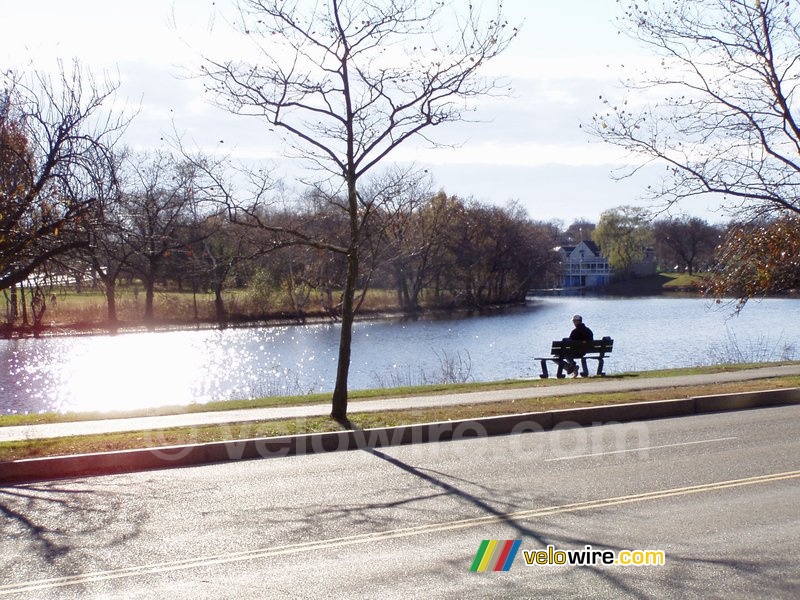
x: 583, y: 386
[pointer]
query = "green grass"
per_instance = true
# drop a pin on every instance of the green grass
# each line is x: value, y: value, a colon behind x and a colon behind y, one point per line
x: 660, y: 283
x: 682, y: 281
x: 233, y: 431
x: 354, y: 396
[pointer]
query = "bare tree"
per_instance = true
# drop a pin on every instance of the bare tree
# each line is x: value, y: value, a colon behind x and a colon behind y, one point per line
x: 726, y: 120
x: 106, y: 252
x: 688, y: 242
x: 55, y: 152
x: 414, y: 238
x: 346, y: 83
x: 218, y: 249
x: 161, y: 215
x: 579, y: 231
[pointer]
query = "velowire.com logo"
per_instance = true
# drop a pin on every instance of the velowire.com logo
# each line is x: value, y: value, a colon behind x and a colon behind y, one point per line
x: 499, y: 555
x: 495, y: 555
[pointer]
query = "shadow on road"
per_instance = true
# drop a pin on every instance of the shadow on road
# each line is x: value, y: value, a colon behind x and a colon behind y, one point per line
x: 42, y: 519
x: 436, y: 478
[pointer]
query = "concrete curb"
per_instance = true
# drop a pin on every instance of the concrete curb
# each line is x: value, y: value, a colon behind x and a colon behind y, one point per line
x: 127, y: 461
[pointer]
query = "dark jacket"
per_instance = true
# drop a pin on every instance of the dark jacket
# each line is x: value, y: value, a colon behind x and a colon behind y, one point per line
x: 581, y: 332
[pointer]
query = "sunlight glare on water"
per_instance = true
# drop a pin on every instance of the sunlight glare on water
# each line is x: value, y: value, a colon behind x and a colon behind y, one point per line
x: 144, y: 370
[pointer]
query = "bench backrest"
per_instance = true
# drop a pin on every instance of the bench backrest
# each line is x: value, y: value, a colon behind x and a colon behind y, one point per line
x: 601, y: 346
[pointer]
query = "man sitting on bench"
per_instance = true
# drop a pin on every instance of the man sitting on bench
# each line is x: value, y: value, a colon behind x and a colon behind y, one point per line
x: 581, y: 332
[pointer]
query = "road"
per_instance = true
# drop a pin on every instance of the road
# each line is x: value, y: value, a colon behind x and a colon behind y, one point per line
x: 717, y: 493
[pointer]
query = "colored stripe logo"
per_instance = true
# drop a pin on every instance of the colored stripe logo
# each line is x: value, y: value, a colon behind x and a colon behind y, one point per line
x: 495, y: 555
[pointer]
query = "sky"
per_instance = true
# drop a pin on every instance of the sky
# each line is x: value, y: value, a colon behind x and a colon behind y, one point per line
x: 527, y: 147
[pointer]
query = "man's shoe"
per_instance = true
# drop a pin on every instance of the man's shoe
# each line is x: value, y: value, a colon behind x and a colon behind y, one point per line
x: 570, y: 369
x: 574, y: 375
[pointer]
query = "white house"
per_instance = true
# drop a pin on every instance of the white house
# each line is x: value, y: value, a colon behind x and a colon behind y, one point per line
x: 584, y: 266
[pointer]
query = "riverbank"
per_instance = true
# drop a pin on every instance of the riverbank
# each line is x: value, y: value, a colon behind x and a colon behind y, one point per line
x: 661, y: 283
x: 267, y: 319
x: 171, y: 441
x: 78, y: 313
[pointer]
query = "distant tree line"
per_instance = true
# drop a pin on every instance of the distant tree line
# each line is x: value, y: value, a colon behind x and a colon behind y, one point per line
x: 435, y: 251
x: 681, y: 243
x: 77, y: 208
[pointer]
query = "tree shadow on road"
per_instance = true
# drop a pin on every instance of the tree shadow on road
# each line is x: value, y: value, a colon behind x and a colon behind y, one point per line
x: 496, y: 515
x: 41, y: 517
x: 41, y: 536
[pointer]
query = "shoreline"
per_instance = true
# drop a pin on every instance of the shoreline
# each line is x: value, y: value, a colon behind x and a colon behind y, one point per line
x: 285, y: 318
x: 235, y: 322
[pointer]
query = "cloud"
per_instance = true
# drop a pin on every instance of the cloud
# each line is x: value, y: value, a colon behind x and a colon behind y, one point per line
x: 525, y: 153
x: 512, y: 146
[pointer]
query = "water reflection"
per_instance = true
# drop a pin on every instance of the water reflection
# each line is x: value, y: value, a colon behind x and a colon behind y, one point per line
x: 144, y: 370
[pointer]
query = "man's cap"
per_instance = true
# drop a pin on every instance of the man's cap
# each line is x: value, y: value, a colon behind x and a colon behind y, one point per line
x: 577, y: 318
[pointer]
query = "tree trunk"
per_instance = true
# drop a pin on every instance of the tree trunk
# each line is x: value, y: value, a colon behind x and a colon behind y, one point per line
x: 12, y: 317
x: 403, y: 296
x: 111, y: 300
x: 219, y: 307
x: 38, y: 308
x: 339, y: 400
x: 149, y: 294
x: 24, y: 305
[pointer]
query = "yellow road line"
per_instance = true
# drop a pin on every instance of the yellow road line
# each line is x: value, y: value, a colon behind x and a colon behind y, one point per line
x: 204, y: 561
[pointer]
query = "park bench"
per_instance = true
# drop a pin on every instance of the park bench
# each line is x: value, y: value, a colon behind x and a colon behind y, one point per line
x: 563, y: 349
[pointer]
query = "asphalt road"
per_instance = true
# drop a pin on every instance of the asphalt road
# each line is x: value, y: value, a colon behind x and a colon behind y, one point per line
x: 717, y: 493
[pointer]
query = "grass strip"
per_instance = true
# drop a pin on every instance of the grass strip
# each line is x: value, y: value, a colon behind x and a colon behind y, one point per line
x: 354, y: 396
x: 259, y: 429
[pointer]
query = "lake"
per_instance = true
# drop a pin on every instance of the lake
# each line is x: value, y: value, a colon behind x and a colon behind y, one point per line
x: 142, y: 370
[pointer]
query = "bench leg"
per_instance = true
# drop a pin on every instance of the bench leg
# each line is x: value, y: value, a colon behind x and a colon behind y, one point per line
x: 560, y: 373
x: 600, y: 366
x: 544, y: 374
x: 584, y: 368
